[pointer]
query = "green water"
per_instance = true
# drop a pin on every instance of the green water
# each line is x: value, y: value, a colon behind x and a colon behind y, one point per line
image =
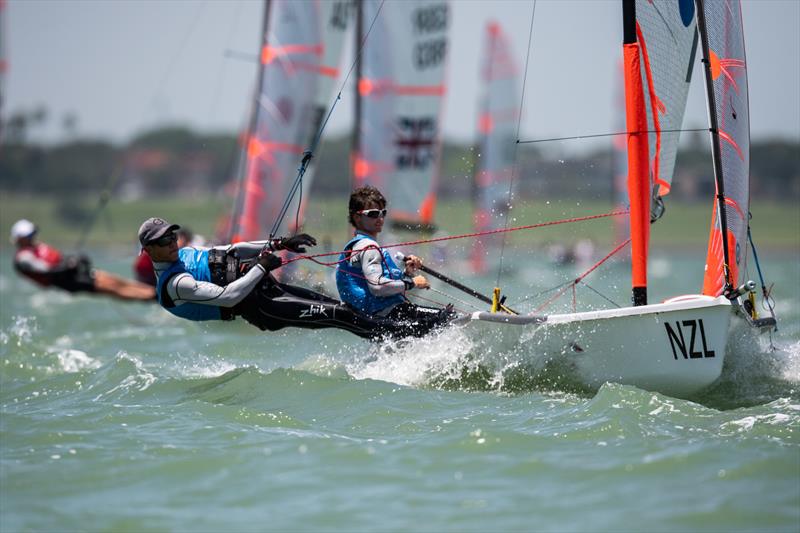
x: 120, y: 417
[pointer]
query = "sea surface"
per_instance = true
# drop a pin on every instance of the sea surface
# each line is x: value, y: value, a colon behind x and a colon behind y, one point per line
x: 119, y: 417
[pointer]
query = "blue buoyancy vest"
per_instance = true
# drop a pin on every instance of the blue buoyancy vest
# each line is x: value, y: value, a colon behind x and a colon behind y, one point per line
x: 353, y: 287
x: 194, y: 262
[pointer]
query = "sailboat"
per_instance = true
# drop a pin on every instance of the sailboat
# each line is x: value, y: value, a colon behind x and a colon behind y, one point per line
x: 299, y: 63
x: 497, y: 125
x: 678, y: 346
x: 400, y: 89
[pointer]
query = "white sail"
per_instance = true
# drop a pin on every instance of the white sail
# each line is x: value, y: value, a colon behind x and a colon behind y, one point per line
x: 290, y: 60
x: 497, y: 126
x: 730, y: 116
x: 401, y: 89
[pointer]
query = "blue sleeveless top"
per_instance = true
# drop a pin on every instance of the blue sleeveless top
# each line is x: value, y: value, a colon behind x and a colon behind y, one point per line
x: 194, y: 262
x: 353, y: 288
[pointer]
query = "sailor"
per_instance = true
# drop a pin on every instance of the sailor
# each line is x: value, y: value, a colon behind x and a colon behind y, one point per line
x: 48, y: 267
x: 143, y: 266
x: 372, y: 281
x: 223, y: 282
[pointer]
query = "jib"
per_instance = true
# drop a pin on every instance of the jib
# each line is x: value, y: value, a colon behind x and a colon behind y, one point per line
x: 687, y: 330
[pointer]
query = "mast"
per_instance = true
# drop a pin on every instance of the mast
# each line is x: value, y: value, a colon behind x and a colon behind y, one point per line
x: 639, y: 190
x: 357, y: 108
x: 235, y: 229
x: 716, y: 151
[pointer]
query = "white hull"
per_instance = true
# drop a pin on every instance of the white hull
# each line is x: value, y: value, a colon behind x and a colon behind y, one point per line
x: 676, y: 348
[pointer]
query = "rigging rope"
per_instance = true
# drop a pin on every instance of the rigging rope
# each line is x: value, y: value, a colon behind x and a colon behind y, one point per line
x: 516, y: 147
x: 594, y: 135
x: 312, y: 257
x: 309, y: 154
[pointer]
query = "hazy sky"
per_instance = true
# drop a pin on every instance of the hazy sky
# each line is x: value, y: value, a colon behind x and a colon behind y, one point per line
x: 121, y: 66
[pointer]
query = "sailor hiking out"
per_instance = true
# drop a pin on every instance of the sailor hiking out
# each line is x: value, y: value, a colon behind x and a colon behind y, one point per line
x: 228, y: 281
x: 48, y: 267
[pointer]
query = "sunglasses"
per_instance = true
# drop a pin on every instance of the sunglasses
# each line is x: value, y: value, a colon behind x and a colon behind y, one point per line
x: 166, y: 240
x: 372, y: 213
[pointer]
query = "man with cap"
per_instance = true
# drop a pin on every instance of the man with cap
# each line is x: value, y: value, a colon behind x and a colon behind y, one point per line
x: 48, y: 267
x: 227, y: 281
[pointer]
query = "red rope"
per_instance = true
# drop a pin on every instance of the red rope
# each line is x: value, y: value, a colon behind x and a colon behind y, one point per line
x: 313, y: 257
x: 577, y: 280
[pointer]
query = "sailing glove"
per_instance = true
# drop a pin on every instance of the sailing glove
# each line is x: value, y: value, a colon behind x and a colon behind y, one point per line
x: 294, y: 244
x: 269, y: 260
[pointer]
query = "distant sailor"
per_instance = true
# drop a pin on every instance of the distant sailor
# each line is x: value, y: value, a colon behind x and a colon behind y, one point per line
x: 374, y: 281
x: 48, y: 267
x: 224, y: 282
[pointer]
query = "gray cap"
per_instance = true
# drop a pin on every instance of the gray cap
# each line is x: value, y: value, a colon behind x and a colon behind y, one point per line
x: 153, y: 229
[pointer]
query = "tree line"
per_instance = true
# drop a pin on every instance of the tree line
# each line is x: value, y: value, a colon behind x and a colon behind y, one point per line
x: 177, y: 160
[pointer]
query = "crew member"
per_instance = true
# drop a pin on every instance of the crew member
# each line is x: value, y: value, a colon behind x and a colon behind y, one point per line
x: 371, y: 279
x: 224, y: 282
x: 48, y: 267
x: 143, y: 266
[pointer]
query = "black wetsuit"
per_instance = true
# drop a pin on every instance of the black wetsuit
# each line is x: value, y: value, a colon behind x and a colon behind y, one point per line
x: 273, y: 305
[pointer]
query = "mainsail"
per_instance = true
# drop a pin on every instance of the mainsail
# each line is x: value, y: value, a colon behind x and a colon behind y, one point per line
x: 400, y: 91
x: 497, y: 126
x: 726, y: 81
x: 659, y: 44
x: 299, y: 63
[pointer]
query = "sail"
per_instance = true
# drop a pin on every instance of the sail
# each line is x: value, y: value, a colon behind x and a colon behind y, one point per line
x: 497, y: 126
x: 726, y: 79
x: 659, y: 43
x: 400, y: 88
x: 336, y: 17
x: 284, y: 113
x: 667, y: 33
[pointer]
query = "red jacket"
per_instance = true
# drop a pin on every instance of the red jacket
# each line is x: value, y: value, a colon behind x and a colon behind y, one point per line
x: 143, y: 269
x: 38, y: 262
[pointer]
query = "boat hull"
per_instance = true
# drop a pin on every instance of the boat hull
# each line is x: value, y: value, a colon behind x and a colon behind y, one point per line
x: 676, y: 348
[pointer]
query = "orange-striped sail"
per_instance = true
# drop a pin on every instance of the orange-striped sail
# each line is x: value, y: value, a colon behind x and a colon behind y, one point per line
x: 726, y: 81
x: 299, y: 61
x: 400, y: 90
x: 497, y: 127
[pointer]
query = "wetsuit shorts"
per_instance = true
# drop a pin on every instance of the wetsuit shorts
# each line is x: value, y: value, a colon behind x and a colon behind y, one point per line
x: 77, y: 279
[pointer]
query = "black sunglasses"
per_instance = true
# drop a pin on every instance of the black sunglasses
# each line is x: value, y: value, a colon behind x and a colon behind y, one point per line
x: 372, y: 213
x: 166, y: 240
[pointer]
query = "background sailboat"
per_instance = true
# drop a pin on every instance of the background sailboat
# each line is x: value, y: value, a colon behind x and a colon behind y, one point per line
x: 299, y: 62
x: 497, y: 126
x: 401, y: 71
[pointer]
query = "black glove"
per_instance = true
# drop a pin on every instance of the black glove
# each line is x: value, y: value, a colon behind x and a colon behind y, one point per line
x: 295, y: 244
x: 269, y: 260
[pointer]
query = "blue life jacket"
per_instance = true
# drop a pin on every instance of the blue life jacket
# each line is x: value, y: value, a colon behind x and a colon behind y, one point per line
x: 194, y: 262
x: 353, y: 288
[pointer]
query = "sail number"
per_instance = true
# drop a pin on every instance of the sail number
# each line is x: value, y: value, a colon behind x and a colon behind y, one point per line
x: 684, y: 338
x: 430, y: 19
x: 427, y: 20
